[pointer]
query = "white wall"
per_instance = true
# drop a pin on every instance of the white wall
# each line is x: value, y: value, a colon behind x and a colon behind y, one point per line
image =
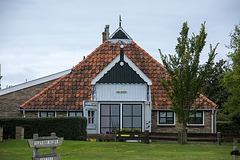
x: 120, y: 92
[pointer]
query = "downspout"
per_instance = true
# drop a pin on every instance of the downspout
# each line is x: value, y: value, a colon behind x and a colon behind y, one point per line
x: 216, y: 120
x: 212, y: 120
x: 24, y: 114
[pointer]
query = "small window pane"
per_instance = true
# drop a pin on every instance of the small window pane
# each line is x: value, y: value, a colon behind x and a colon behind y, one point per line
x: 191, y: 115
x: 198, y: 114
x: 127, y: 110
x: 169, y: 120
x: 71, y: 114
x: 137, y: 110
x: 163, y: 120
x: 115, y: 122
x: 169, y: 114
x: 137, y: 122
x: 162, y: 114
x: 115, y: 110
x: 127, y: 123
x: 79, y: 114
x: 50, y: 114
x: 105, y: 122
x: 43, y: 114
x: 105, y: 110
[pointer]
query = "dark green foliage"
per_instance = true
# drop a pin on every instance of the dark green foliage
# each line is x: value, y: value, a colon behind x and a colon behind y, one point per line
x: 213, y: 90
x: 231, y: 79
x: 236, y: 117
x: 228, y: 127
x: 71, y: 128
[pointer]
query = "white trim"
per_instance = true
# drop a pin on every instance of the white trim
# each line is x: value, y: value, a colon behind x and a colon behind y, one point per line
x: 34, y: 82
x: 112, y: 64
x: 212, y: 121
x: 120, y: 28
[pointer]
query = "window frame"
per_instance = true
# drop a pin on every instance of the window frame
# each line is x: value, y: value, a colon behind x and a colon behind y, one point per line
x: 166, y: 124
x: 132, y: 116
x: 68, y: 114
x: 47, y: 113
x: 110, y: 117
x: 197, y: 124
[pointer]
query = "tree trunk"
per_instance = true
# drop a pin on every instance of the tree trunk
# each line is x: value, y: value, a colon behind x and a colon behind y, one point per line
x: 182, y: 136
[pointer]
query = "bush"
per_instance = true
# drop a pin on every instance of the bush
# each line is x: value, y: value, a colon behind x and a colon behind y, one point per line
x: 71, y: 128
x: 228, y: 127
x: 236, y: 117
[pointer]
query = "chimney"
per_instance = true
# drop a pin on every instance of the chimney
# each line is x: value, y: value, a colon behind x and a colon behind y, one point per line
x: 105, y: 34
x: 107, y: 31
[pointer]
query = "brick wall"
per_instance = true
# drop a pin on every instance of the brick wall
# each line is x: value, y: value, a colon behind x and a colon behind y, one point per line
x: 206, y: 128
x: 9, y: 103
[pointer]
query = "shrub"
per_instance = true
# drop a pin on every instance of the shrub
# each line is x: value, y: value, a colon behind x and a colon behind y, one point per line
x: 236, y: 117
x: 71, y: 128
x: 228, y: 127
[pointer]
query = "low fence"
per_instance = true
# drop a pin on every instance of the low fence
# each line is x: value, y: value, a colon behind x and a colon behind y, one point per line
x: 154, y: 137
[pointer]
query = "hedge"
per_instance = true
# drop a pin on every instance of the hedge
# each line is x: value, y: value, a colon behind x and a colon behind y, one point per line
x: 71, y: 128
x: 228, y: 127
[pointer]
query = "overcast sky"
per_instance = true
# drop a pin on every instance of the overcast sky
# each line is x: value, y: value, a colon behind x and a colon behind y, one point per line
x: 42, y: 37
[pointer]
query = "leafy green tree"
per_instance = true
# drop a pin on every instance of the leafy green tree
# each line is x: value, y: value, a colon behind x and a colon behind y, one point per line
x: 231, y: 79
x: 187, y: 75
x: 215, y: 92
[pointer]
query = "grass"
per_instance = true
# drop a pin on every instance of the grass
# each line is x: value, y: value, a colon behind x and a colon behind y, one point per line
x: 72, y: 150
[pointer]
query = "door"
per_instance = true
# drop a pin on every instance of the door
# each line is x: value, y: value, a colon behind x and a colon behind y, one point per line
x: 91, y: 112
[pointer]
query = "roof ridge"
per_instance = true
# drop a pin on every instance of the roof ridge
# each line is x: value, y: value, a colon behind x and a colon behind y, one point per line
x: 43, y: 91
x: 154, y: 60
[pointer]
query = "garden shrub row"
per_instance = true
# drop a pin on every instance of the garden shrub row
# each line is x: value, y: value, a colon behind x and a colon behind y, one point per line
x: 71, y: 128
x: 228, y: 127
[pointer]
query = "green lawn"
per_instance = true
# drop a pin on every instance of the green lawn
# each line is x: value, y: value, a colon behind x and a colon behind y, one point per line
x: 19, y: 150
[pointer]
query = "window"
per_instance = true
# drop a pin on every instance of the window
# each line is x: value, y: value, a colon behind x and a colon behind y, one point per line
x: 47, y: 114
x: 132, y: 116
x: 91, y: 115
x: 110, y: 117
x: 196, y: 118
x: 74, y: 113
x: 166, y: 117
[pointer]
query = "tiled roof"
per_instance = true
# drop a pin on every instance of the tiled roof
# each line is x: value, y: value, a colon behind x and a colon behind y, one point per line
x: 69, y: 91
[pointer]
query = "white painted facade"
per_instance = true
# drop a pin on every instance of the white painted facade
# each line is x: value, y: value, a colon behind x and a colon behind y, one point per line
x: 120, y: 92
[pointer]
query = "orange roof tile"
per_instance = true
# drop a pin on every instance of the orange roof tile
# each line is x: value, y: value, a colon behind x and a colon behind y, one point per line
x: 69, y: 91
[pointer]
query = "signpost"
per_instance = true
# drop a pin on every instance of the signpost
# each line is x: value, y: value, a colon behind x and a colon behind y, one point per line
x: 45, y: 142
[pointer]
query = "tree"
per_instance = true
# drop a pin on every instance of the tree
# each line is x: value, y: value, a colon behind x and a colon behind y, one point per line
x: 186, y: 75
x: 231, y: 79
x: 215, y: 92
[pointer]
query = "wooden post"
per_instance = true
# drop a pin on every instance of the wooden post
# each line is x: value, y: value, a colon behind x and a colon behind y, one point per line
x: 235, y: 148
x: 114, y: 135
x: 19, y: 132
x: 219, y: 138
x: 147, y: 136
x: 35, y: 150
x: 1, y: 133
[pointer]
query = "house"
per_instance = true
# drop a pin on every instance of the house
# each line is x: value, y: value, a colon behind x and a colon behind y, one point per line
x: 117, y: 86
x: 12, y: 97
